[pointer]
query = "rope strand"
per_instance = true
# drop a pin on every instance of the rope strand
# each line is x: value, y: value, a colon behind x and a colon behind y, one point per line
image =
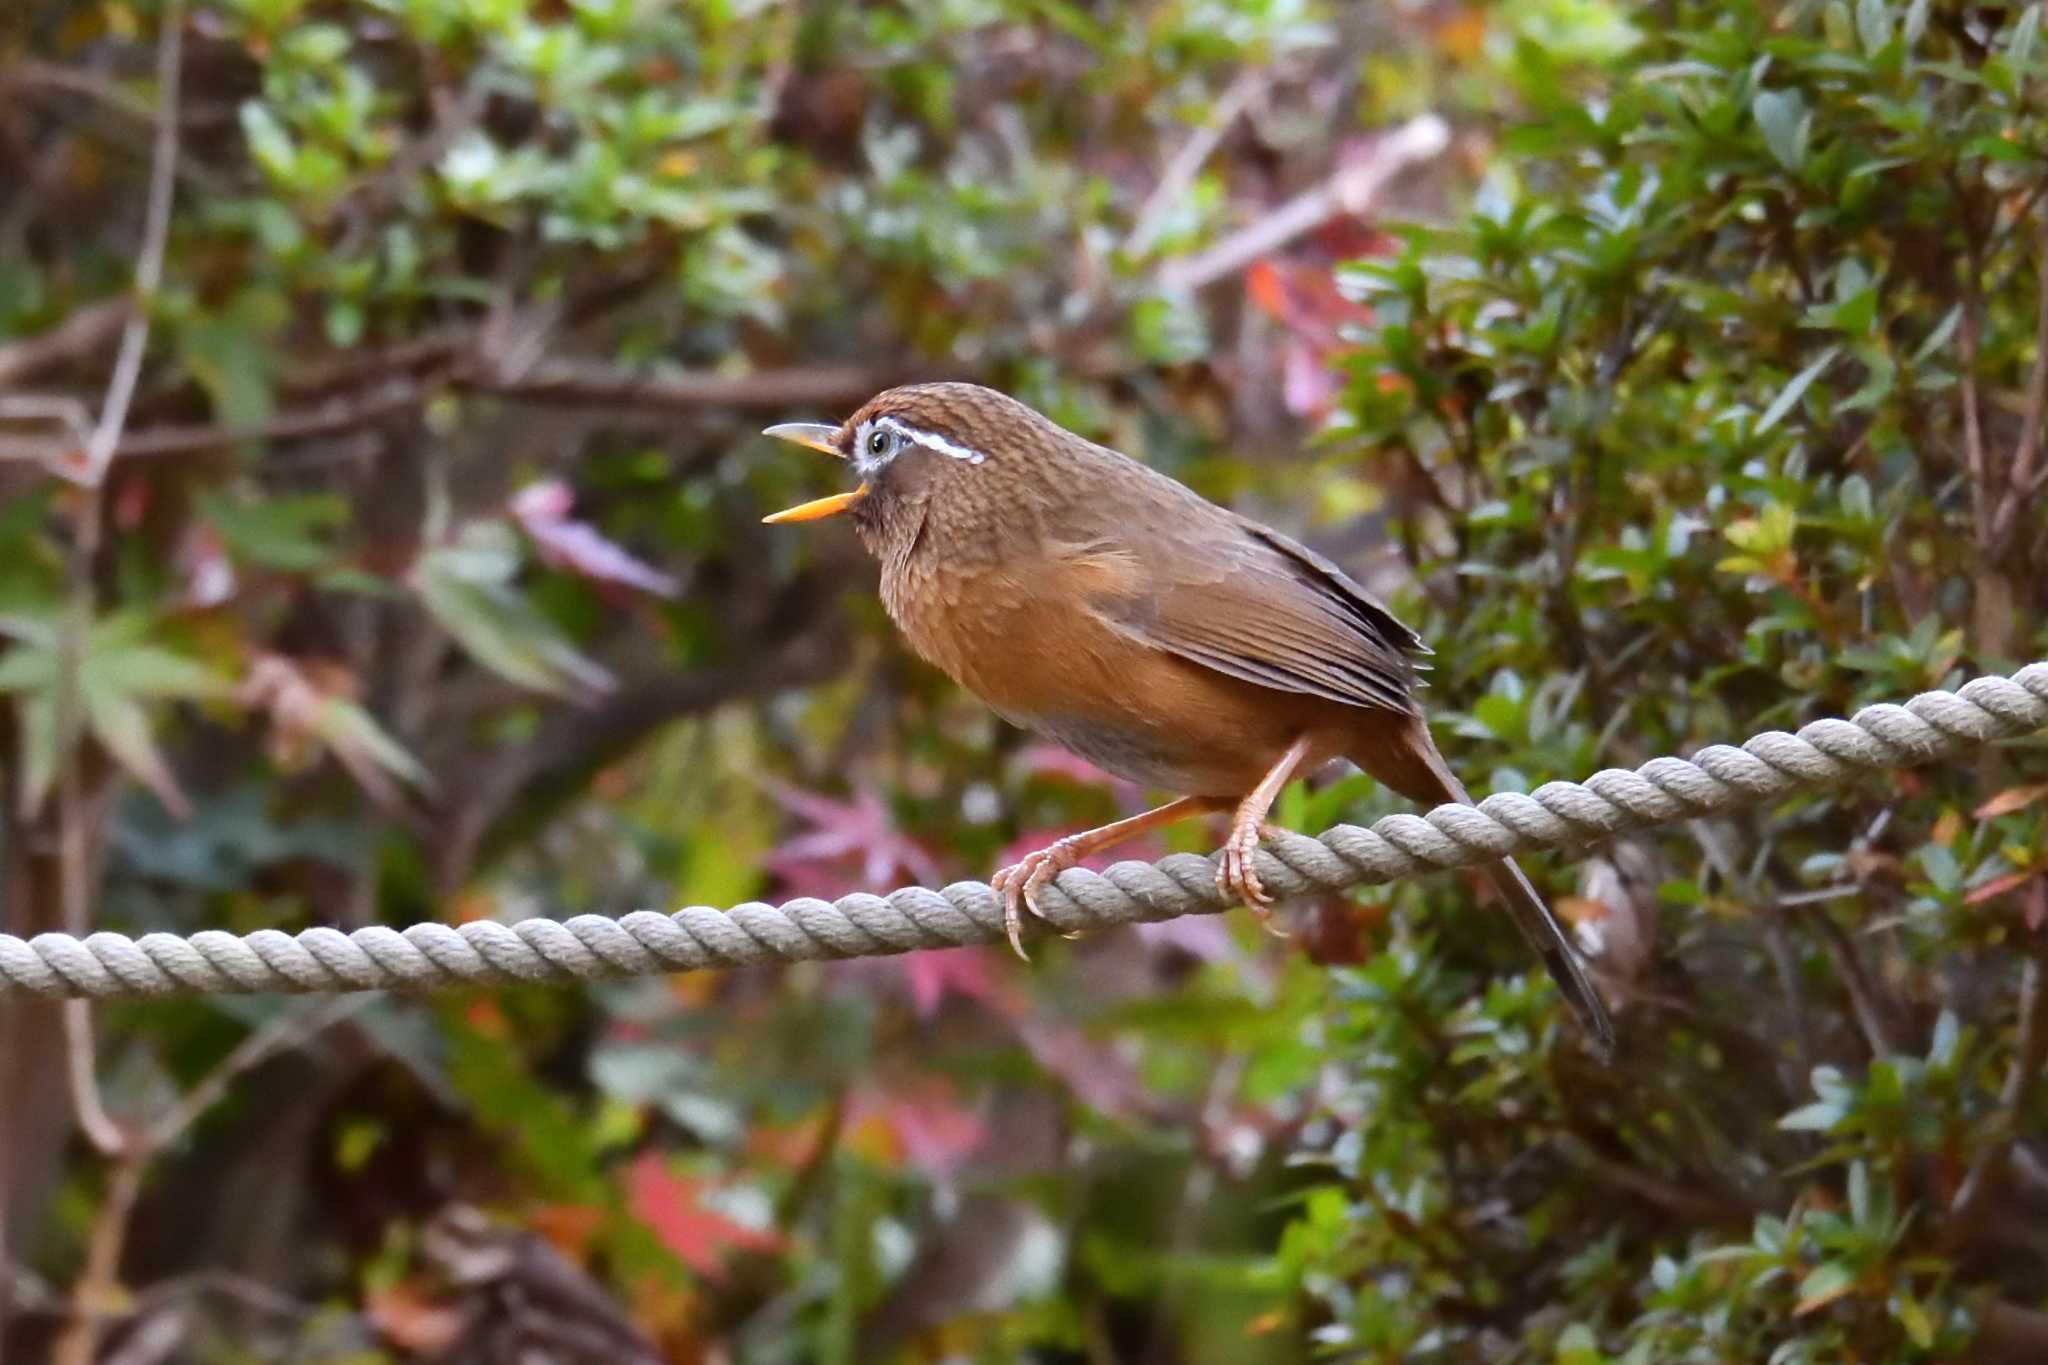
x: 1570, y: 815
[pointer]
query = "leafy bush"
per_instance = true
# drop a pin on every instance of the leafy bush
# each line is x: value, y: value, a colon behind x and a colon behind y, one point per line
x: 1721, y: 410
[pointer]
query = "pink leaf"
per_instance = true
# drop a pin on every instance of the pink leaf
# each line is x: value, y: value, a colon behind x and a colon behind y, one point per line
x: 1098, y: 1077
x: 936, y: 972
x: 672, y: 1209
x: 1308, y: 383
x: 542, y: 511
x: 1206, y: 938
x: 851, y: 846
x: 929, y: 1126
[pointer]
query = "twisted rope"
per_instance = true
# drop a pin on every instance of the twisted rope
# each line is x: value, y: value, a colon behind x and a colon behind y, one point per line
x: 1934, y: 725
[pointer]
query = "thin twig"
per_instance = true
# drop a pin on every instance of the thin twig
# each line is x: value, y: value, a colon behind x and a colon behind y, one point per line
x: 292, y: 1028
x: 1353, y: 190
x: 1973, y: 425
x: 2030, y: 1054
x: 102, y: 1274
x: 62, y: 409
x: 1180, y: 172
x: 82, y: 332
x: 149, y: 265
x: 1872, y: 1014
x: 78, y: 876
x: 2022, y: 482
x: 106, y: 1136
x: 1665, y: 1193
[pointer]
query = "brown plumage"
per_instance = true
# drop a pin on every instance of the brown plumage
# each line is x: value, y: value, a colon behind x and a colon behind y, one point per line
x: 1165, y: 639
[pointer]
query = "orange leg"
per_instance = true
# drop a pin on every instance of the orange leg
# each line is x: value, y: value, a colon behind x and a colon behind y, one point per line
x: 1019, y: 883
x: 1234, y: 874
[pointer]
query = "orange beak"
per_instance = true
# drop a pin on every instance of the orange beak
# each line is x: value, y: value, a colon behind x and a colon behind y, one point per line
x: 824, y: 439
x: 818, y: 508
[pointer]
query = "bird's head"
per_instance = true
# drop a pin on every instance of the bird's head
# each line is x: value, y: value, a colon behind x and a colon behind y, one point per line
x: 913, y: 444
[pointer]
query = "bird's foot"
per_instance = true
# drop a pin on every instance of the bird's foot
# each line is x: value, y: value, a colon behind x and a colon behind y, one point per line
x: 1238, y: 881
x: 1020, y: 882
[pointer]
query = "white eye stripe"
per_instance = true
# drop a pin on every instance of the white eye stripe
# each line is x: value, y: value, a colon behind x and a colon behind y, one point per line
x: 930, y: 440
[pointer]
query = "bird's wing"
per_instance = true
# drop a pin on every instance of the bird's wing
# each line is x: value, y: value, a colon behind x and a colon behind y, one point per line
x: 1247, y: 601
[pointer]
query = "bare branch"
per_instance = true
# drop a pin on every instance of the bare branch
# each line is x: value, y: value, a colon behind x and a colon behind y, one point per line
x: 1180, y: 172
x: 1352, y: 190
x: 2023, y: 482
x: 99, y: 1281
x: 586, y: 381
x: 292, y: 1028
x: 2030, y: 1054
x: 149, y: 265
x: 78, y: 335
x: 79, y: 1054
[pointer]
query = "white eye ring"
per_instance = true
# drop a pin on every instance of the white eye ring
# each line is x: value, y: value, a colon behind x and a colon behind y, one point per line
x: 880, y: 442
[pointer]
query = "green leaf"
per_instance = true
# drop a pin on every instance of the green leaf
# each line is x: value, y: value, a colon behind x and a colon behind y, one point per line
x: 1794, y: 391
x: 355, y: 737
x: 1919, y: 1326
x: 1855, y: 499
x: 1825, y: 1283
x: 2019, y: 45
x: 122, y: 727
x: 1873, y: 25
x: 1576, y: 1345
x: 278, y: 533
x: 1782, y: 118
x: 1819, y: 1117
x: 499, y: 627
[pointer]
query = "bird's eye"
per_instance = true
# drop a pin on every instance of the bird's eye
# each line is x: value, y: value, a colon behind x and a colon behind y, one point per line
x: 879, y: 443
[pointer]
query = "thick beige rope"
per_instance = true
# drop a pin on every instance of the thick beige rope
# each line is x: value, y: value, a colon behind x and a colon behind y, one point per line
x: 1932, y: 726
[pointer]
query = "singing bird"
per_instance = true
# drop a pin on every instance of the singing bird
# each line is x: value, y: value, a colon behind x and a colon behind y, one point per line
x: 1165, y: 639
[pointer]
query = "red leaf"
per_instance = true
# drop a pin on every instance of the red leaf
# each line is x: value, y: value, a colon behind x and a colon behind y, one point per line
x: 2010, y: 800
x: 407, y: 1318
x: 851, y: 846
x: 936, y: 972
x: 926, y: 1124
x: 1998, y: 886
x: 542, y: 511
x: 1262, y: 281
x: 1099, y: 1078
x: 672, y: 1208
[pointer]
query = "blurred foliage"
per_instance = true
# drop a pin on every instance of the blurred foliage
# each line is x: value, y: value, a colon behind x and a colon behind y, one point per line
x: 427, y: 584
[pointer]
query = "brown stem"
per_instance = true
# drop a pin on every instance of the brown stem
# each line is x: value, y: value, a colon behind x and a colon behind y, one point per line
x: 149, y: 266
x: 100, y: 1281
x: 1352, y: 190
x: 78, y: 335
x: 2030, y: 1054
x: 1873, y: 1014
x: 1973, y: 424
x: 2021, y: 482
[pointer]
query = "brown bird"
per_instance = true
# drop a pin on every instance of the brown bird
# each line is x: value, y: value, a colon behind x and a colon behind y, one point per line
x: 1162, y: 638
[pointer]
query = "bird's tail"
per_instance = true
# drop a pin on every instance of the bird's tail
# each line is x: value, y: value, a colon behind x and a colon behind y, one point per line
x: 1407, y: 760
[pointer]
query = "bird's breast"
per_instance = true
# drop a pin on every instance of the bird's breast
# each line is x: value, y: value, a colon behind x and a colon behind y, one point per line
x: 1025, y: 641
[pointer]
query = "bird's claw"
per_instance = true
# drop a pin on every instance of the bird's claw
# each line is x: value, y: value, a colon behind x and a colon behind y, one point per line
x: 1237, y: 879
x: 1019, y: 884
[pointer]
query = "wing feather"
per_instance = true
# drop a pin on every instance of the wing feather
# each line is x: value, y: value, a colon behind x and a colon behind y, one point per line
x: 1253, y: 604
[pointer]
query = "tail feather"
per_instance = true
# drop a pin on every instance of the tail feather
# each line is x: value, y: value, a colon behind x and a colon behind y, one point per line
x: 1407, y: 760
x: 1547, y: 937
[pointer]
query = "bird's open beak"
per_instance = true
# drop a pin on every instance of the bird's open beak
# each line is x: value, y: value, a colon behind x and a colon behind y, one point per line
x: 817, y: 435
x: 824, y: 439
x: 818, y: 508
